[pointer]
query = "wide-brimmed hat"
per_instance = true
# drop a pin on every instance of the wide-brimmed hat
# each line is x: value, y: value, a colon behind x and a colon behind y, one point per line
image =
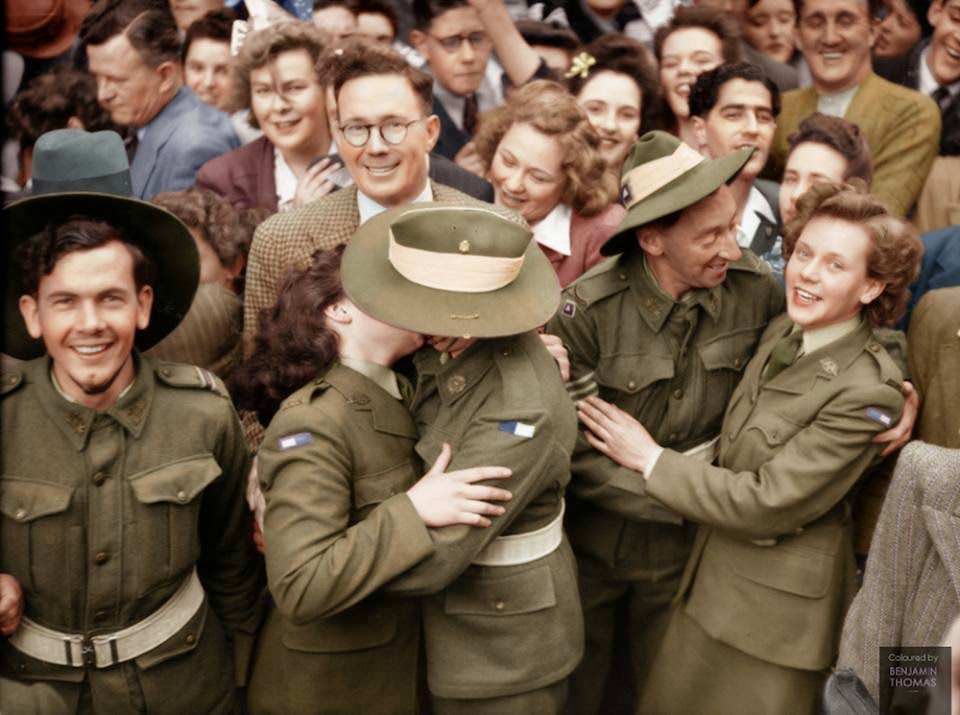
x: 43, y: 28
x: 662, y: 175
x: 87, y: 174
x: 454, y: 271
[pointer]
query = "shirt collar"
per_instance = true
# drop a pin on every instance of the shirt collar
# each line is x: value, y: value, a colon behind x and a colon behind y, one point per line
x: 655, y: 303
x: 821, y: 337
x: 836, y: 104
x: 285, y: 180
x: 380, y: 375
x: 756, y: 207
x: 369, y: 208
x: 489, y: 94
x: 553, y: 230
x: 452, y: 103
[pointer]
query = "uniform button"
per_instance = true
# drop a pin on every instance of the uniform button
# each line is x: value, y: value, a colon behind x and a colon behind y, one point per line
x: 166, y: 372
x: 737, y: 363
x: 21, y: 514
x: 678, y: 394
x: 506, y: 352
x: 623, y: 276
x: 101, y: 558
x: 190, y: 638
x: 12, y: 380
x: 101, y: 616
x: 499, y: 605
x: 99, y: 478
x: 674, y: 436
x: 182, y: 495
x: 631, y: 385
x: 873, y: 347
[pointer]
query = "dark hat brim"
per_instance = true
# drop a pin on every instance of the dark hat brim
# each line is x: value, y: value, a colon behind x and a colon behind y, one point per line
x: 161, y: 235
x: 379, y: 290
x: 684, y: 191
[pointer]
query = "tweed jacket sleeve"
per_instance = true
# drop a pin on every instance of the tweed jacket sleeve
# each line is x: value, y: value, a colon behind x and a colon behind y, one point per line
x: 909, y: 593
x: 934, y: 354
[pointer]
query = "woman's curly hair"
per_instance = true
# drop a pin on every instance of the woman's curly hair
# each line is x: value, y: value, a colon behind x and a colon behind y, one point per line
x: 550, y: 109
x: 294, y: 344
x: 896, y: 250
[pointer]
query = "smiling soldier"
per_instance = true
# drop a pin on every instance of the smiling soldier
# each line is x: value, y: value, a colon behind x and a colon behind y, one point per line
x: 127, y: 575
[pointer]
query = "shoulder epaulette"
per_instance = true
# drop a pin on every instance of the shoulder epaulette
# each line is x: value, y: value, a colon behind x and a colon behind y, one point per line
x: 305, y: 395
x: 179, y: 375
x: 10, y: 381
x: 751, y: 263
x: 890, y: 371
x: 603, y: 280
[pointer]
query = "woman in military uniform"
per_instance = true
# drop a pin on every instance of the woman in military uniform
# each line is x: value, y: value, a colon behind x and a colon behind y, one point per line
x: 760, y: 605
x: 502, y: 621
x: 344, y: 510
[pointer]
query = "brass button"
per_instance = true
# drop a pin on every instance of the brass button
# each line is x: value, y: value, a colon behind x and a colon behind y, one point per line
x: 499, y: 605
x: 506, y: 352
x: 623, y: 275
x: 873, y: 347
x: 464, y: 246
x: 631, y: 385
x: 182, y: 495
x: 456, y: 384
x: 166, y: 372
x: 12, y: 380
x: 737, y: 363
x: 99, y: 478
x: 21, y: 514
x: 101, y: 558
x: 674, y: 436
x: 191, y: 638
x: 678, y: 394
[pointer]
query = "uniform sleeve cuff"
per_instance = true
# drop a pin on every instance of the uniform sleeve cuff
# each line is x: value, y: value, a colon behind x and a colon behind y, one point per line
x: 652, y: 463
x: 417, y: 543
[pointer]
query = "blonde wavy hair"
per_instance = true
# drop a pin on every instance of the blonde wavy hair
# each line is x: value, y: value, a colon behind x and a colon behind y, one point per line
x: 550, y: 109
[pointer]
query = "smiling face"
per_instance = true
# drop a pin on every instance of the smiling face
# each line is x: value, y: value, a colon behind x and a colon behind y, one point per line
x: 944, y: 57
x: 526, y: 172
x: 809, y: 163
x: 390, y: 174
x: 898, y: 32
x: 614, y: 105
x: 697, y: 250
x: 836, y: 37
x: 742, y: 117
x: 87, y: 311
x: 687, y: 53
x: 207, y: 71
x: 288, y: 102
x: 826, y: 276
x: 459, y: 71
x: 769, y: 28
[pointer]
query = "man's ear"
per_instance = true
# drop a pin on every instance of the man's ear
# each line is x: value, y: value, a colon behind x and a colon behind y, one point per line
x: 75, y: 123
x: 144, y: 306
x: 650, y: 241
x: 338, y: 313
x: 30, y: 310
x: 169, y: 72
x: 700, y: 132
x: 432, y: 127
x: 418, y: 39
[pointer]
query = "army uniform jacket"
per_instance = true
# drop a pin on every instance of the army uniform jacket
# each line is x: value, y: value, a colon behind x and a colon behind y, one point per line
x: 498, y: 630
x: 104, y: 514
x: 772, y: 568
x: 671, y: 366
x: 334, y: 466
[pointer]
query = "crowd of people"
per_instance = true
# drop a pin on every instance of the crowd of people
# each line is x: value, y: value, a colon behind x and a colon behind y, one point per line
x: 479, y: 356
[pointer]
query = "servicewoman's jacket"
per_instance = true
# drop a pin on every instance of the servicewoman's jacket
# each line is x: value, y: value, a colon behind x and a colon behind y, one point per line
x: 772, y: 567
x: 334, y: 466
x: 498, y: 630
x: 670, y: 364
x: 103, y: 515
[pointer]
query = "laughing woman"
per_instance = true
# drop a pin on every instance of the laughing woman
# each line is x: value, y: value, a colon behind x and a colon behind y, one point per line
x: 543, y: 159
x: 772, y: 567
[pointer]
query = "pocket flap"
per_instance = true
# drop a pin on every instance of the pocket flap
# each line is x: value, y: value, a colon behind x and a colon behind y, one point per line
x: 369, y: 624
x: 804, y: 572
x: 379, y: 487
x: 179, y: 482
x: 632, y: 373
x: 25, y: 500
x: 523, y: 592
x: 731, y: 351
x: 774, y: 428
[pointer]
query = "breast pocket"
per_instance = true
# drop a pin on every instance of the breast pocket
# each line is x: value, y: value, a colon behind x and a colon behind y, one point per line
x: 372, y: 489
x: 726, y: 356
x: 166, y: 517
x: 623, y: 378
x: 35, y: 532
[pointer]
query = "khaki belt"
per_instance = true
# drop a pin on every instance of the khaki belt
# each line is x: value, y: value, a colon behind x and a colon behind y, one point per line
x: 107, y: 649
x: 518, y: 549
x: 705, y: 451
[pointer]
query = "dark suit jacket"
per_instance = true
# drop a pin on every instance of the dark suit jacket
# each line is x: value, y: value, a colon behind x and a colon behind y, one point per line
x: 906, y: 71
x: 940, y: 267
x: 177, y: 142
x: 783, y: 75
x: 767, y: 232
x: 245, y: 176
x: 452, y: 138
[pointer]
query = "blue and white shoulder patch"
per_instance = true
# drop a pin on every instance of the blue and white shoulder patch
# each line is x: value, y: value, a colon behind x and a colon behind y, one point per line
x: 294, y: 440
x: 520, y: 429
x: 879, y: 416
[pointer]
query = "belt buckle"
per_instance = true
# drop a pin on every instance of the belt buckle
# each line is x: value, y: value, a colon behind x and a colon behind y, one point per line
x: 88, y: 653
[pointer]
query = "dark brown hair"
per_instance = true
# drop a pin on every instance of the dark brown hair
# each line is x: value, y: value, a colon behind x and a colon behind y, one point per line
x: 216, y: 25
x: 707, y: 18
x: 896, y: 250
x: 550, y: 109
x: 39, y: 254
x: 147, y: 24
x: 706, y: 90
x: 293, y: 343
x: 361, y: 59
x: 840, y: 135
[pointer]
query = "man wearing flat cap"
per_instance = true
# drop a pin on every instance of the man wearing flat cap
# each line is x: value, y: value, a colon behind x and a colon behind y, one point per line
x: 127, y: 574
x: 501, y: 612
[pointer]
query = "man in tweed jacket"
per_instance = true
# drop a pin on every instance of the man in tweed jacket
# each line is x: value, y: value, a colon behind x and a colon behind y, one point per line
x: 376, y: 91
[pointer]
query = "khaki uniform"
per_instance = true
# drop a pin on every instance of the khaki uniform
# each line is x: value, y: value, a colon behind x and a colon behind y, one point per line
x: 103, y: 515
x: 772, y: 570
x: 673, y: 366
x: 334, y: 467
x: 499, y: 639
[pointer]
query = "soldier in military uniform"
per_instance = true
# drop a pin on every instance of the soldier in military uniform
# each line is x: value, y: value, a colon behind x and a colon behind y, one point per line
x: 772, y: 571
x: 121, y: 498
x: 502, y: 622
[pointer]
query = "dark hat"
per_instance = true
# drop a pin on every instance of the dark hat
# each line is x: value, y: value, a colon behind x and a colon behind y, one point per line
x: 662, y: 175
x: 451, y: 271
x: 43, y: 28
x: 82, y: 173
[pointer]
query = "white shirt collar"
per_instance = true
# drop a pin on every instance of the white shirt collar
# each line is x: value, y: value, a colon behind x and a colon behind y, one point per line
x: 489, y: 94
x: 750, y: 221
x: 285, y: 180
x: 928, y: 83
x: 553, y: 230
x: 835, y: 105
x: 369, y: 208
x: 821, y: 337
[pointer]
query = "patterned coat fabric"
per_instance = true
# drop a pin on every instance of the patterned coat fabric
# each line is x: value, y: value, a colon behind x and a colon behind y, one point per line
x: 902, y: 128
x: 934, y: 351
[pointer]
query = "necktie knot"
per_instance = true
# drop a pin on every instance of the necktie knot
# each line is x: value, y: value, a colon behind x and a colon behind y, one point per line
x: 784, y: 354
